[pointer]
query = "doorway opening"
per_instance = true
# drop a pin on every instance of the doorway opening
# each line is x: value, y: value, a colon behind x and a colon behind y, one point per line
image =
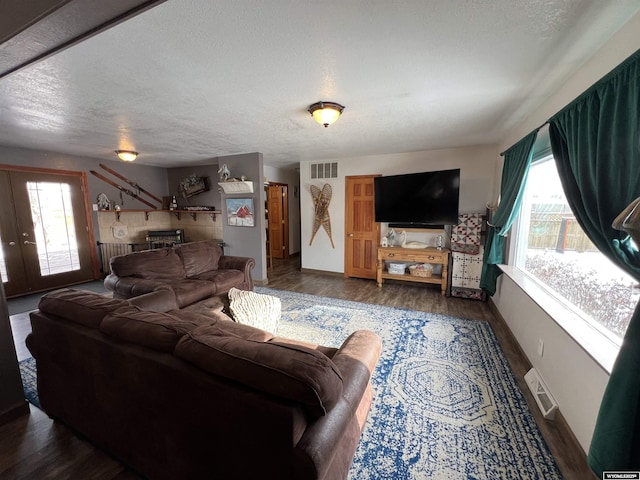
x: 277, y: 212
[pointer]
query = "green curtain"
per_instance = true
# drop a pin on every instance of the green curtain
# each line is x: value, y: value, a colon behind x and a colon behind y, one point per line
x: 596, y: 145
x: 517, y: 161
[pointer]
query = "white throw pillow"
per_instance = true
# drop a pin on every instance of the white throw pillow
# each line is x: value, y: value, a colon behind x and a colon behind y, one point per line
x: 255, y: 309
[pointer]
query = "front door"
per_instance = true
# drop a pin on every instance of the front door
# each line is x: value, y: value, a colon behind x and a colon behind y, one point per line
x: 44, y: 231
x: 362, y: 231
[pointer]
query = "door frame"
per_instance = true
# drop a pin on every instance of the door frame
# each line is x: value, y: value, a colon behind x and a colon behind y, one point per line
x: 95, y: 268
x: 285, y: 214
x: 348, y: 238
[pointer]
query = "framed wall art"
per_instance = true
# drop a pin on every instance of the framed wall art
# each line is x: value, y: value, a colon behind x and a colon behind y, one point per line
x: 240, y: 212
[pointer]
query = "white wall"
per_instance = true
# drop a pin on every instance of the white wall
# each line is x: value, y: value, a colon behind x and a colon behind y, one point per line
x: 477, y: 166
x: 574, y: 378
x: 576, y: 381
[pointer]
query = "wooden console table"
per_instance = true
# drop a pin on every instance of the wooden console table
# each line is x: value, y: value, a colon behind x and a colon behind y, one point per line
x: 413, y: 255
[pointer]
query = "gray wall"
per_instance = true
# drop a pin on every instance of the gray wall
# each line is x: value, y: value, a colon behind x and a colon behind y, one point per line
x: 153, y: 179
x: 208, y: 199
x: 241, y: 241
x: 247, y: 241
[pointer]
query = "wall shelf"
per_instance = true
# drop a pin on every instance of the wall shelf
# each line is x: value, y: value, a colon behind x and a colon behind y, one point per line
x: 178, y: 213
x: 237, y: 187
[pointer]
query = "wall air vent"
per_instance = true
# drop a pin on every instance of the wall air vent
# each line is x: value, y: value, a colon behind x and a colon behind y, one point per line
x: 324, y: 170
x: 546, y: 403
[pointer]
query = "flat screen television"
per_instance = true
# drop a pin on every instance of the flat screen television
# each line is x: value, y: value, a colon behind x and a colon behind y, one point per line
x: 418, y: 200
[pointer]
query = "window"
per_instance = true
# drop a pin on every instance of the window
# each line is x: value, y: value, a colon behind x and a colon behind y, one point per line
x: 551, y: 247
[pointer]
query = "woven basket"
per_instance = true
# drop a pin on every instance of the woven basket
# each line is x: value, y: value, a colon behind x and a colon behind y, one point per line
x: 425, y: 270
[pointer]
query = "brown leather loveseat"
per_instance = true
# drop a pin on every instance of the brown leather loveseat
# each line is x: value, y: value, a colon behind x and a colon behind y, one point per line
x: 195, y: 271
x: 179, y: 394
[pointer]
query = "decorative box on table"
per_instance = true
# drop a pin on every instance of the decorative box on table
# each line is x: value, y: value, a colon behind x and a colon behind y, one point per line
x: 467, y: 252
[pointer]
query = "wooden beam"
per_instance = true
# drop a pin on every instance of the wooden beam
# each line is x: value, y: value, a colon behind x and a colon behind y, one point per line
x: 35, y: 30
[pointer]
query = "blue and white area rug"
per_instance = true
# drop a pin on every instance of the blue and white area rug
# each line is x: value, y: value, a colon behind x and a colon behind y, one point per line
x: 446, y: 403
x: 30, y: 380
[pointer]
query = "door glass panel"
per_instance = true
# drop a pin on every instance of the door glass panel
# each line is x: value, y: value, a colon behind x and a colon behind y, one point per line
x: 54, y: 227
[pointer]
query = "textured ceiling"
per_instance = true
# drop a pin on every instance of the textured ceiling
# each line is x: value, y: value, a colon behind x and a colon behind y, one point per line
x: 189, y: 80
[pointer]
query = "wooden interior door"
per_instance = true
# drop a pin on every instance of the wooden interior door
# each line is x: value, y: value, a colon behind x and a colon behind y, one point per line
x: 362, y: 231
x: 278, y: 220
x: 44, y: 232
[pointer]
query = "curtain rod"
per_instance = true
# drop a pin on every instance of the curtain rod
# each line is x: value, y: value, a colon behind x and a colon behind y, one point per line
x: 536, y: 130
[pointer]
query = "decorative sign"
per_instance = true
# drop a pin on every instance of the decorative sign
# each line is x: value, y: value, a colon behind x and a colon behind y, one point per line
x: 240, y: 212
x: 192, y: 185
x: 321, y: 201
x: 120, y: 231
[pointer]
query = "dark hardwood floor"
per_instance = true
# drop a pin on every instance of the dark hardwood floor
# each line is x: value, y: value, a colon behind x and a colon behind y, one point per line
x: 35, y: 447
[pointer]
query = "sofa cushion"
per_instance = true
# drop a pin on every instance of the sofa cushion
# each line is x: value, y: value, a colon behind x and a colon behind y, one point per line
x: 243, y: 331
x: 288, y: 371
x: 199, y: 257
x: 162, y: 299
x: 162, y: 263
x: 223, y: 280
x: 159, y: 331
x: 255, y: 309
x: 79, y: 306
x: 210, y: 305
x: 190, y: 291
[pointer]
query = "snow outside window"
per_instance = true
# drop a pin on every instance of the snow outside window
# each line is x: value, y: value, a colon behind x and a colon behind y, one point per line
x: 553, y: 249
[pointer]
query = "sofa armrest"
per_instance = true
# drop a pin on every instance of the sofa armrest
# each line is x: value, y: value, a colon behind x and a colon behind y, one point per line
x: 356, y: 359
x: 244, y: 264
x: 361, y: 348
x: 31, y: 345
x: 128, y: 287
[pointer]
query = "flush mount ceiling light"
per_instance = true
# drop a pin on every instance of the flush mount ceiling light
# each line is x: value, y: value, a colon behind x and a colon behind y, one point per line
x: 126, y: 155
x: 326, y: 113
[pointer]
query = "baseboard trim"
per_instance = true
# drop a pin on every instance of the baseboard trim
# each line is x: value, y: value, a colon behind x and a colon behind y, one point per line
x: 322, y: 272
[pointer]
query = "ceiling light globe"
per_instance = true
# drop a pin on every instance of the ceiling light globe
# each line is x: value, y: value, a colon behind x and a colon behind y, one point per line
x: 326, y: 113
x: 127, y: 155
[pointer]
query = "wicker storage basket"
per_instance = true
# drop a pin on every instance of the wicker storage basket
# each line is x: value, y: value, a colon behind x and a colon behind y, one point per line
x: 424, y: 270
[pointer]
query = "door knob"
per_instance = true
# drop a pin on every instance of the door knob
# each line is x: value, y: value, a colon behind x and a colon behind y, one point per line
x: 350, y: 235
x: 25, y: 234
x: 12, y: 244
x: 27, y: 242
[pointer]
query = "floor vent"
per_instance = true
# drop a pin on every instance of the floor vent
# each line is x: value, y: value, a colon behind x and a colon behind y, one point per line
x: 546, y: 403
x: 324, y: 170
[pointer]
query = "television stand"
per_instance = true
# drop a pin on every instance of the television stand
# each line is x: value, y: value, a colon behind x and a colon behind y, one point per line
x: 413, y: 255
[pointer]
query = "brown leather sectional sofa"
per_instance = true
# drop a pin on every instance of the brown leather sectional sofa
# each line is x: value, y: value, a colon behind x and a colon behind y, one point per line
x: 195, y: 271
x: 180, y: 395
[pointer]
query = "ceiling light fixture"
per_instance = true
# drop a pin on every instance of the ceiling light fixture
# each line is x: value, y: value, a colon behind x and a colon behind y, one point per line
x: 127, y: 155
x: 326, y: 113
